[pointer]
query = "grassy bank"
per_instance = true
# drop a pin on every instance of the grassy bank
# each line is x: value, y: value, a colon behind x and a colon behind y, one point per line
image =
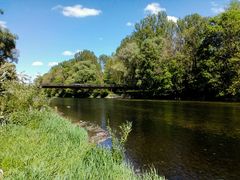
x: 36, y: 143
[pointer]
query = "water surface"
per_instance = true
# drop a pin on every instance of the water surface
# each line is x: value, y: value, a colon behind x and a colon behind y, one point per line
x: 182, y: 140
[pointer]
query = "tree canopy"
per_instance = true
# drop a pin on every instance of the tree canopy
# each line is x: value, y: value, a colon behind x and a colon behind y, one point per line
x: 8, y: 54
x: 83, y: 68
x: 196, y: 57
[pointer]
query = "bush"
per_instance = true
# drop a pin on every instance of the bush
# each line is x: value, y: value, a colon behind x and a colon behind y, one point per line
x: 17, y: 97
x: 100, y: 93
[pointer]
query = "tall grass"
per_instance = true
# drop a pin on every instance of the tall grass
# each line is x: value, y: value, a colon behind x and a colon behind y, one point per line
x: 37, y: 143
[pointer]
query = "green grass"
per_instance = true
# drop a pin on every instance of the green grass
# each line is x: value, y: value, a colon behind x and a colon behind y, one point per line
x: 46, y: 146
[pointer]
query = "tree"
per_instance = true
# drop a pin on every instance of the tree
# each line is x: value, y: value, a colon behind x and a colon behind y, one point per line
x: 190, y: 33
x: 129, y: 55
x: 102, y: 60
x: 8, y: 52
x: 7, y: 72
x: 114, y: 72
x: 83, y: 69
x: 219, y: 54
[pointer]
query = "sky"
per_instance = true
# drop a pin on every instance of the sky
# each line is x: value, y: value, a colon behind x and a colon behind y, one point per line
x: 51, y: 31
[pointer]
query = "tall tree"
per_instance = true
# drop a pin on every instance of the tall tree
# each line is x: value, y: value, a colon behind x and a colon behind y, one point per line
x: 220, y: 54
x: 8, y: 52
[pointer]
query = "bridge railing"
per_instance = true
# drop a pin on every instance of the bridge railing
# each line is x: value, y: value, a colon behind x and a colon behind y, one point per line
x: 86, y: 86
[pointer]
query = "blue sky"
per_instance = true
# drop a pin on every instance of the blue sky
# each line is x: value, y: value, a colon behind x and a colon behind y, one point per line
x: 51, y: 31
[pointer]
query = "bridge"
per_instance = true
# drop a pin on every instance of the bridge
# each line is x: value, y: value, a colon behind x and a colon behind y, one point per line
x: 88, y: 86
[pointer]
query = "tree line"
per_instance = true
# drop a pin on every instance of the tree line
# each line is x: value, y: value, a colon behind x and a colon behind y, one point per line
x: 194, y: 58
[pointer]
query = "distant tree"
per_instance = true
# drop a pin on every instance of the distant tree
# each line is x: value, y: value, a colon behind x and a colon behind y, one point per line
x: 83, y: 69
x: 196, y: 57
x: 114, y: 71
x: 129, y: 54
x: 8, y: 53
x: 103, y: 60
x: 8, y: 50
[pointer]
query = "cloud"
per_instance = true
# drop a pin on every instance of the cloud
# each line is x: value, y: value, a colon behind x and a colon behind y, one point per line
x: 37, y: 63
x: 77, y: 11
x: 129, y: 24
x: 153, y: 8
x: 51, y: 64
x: 172, y: 18
x: 3, y: 24
x: 216, y: 8
x: 68, y: 53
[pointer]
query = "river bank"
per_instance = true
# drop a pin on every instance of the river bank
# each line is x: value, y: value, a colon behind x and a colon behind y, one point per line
x: 37, y: 143
x: 49, y: 146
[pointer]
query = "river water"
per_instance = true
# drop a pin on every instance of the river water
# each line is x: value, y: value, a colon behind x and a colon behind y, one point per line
x: 182, y: 140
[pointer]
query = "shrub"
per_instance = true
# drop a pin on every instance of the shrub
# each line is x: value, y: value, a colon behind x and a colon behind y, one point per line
x: 20, y: 97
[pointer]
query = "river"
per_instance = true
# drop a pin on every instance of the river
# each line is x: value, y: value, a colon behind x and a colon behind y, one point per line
x: 182, y: 140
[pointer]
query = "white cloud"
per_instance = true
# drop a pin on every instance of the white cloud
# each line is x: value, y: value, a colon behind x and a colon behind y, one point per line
x: 50, y: 64
x: 3, y: 24
x: 172, y: 18
x: 154, y: 8
x: 216, y: 8
x: 129, y: 24
x: 37, y: 63
x: 68, y: 53
x: 77, y: 11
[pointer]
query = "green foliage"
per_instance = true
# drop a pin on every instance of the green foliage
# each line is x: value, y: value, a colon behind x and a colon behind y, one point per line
x: 83, y: 69
x: 100, y: 93
x: 103, y: 60
x: 119, y: 140
x: 36, y: 143
x: 219, y: 58
x: 7, y: 72
x: 197, y: 57
x: 8, y: 50
x: 114, y: 71
x: 125, y: 130
x: 8, y: 53
x: 20, y: 97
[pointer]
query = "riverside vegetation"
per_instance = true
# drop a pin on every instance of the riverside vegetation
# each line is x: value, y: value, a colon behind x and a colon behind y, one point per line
x: 36, y: 143
x: 194, y: 58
